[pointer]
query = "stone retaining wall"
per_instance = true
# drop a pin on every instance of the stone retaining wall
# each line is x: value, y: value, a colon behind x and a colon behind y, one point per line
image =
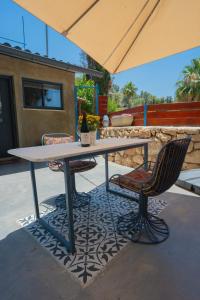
x: 160, y: 136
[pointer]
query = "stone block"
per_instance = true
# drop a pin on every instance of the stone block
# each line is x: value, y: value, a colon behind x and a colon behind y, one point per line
x: 191, y: 146
x: 191, y: 131
x: 137, y: 159
x: 153, y: 132
x: 127, y: 162
x: 131, y: 151
x: 144, y: 133
x: 118, y: 133
x: 196, y: 138
x: 188, y: 166
x: 111, y: 158
x: 181, y: 135
x: 118, y: 157
x: 121, y: 153
x: 163, y: 137
x: 171, y: 132
x: 138, y: 150
x: 180, y: 130
x: 154, y: 147
x: 196, y: 145
x: 111, y: 154
x: 152, y: 158
x: 134, y: 133
x: 193, y: 157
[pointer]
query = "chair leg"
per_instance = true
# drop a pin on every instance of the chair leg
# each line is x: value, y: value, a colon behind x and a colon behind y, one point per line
x: 79, y: 199
x: 143, y: 227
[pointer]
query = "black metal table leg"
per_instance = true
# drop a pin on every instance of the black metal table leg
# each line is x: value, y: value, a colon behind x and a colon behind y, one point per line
x: 34, y: 189
x: 69, y: 205
x: 70, y: 245
x: 146, y: 156
x: 106, y: 171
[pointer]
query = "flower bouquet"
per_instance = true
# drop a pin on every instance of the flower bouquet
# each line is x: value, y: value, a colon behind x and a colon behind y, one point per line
x: 93, y: 122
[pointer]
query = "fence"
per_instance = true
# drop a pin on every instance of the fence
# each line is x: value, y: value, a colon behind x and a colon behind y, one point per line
x: 169, y: 114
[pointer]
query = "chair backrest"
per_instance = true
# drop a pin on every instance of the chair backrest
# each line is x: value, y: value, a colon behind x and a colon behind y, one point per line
x: 56, y: 138
x: 168, y: 166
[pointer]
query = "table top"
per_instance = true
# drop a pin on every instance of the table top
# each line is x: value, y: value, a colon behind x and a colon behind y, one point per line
x: 73, y: 150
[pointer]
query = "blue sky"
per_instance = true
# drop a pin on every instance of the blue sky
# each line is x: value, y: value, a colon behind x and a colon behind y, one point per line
x: 158, y: 78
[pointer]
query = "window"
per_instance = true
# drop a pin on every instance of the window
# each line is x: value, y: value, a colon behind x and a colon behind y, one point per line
x: 43, y: 95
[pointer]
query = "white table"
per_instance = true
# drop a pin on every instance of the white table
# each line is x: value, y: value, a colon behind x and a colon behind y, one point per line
x: 68, y: 152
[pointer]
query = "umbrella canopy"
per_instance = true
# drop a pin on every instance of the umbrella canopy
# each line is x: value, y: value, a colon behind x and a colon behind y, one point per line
x: 121, y: 34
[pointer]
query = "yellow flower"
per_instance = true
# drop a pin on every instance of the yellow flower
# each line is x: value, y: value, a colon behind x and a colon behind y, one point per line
x: 92, y: 120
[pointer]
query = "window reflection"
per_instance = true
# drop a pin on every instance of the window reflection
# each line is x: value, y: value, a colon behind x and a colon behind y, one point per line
x: 52, y: 95
x: 33, y: 94
x: 42, y: 94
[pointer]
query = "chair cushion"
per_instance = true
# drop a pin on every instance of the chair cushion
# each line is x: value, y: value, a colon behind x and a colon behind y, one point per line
x: 76, y: 166
x: 132, y: 181
x: 50, y: 140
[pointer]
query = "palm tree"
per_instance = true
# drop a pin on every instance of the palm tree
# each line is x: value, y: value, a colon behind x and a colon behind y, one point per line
x: 188, y: 89
x: 129, y: 91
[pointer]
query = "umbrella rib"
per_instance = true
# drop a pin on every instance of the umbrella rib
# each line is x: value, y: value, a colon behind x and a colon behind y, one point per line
x: 125, y: 34
x: 139, y: 32
x: 65, y: 32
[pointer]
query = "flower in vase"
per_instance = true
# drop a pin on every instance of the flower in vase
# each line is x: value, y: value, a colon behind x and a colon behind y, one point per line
x: 93, y: 122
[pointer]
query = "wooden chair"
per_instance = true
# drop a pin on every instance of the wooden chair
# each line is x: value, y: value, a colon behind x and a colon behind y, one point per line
x: 76, y: 166
x: 149, y: 181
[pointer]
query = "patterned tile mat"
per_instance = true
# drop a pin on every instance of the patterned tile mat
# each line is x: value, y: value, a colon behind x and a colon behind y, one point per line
x: 97, y: 240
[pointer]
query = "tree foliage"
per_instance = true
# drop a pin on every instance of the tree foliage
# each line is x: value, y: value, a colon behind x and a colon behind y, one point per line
x: 129, y: 91
x: 114, y: 88
x: 104, y: 82
x: 188, y: 88
x: 112, y: 105
x: 128, y: 97
x: 86, y: 93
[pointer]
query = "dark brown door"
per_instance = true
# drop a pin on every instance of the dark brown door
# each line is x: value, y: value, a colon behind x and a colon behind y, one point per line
x: 7, y: 138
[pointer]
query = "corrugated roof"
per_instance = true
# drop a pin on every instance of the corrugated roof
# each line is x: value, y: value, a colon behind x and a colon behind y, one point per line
x: 17, y: 52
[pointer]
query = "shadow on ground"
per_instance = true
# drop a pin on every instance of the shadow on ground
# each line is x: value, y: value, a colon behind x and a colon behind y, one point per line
x: 17, y: 166
x: 170, y: 270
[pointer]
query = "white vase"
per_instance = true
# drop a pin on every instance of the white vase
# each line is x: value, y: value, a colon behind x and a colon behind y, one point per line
x: 93, y: 137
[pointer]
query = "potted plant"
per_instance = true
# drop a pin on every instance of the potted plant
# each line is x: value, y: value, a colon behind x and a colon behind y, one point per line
x: 93, y: 123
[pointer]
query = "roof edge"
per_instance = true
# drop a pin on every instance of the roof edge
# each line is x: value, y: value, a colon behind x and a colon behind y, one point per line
x: 37, y: 58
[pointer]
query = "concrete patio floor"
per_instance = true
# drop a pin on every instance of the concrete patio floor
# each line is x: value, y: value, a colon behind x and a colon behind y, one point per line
x: 170, y: 270
x: 190, y: 180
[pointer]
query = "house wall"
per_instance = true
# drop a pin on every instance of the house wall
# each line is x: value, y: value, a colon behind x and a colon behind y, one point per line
x: 32, y: 123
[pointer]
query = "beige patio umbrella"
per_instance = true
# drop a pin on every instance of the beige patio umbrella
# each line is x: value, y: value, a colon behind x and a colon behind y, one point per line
x: 121, y: 34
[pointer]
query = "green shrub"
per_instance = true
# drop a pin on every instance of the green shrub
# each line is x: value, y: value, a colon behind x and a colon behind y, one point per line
x: 86, y: 93
x: 112, y: 105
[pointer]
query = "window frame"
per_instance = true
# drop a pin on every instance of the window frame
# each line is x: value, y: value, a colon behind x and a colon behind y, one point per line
x: 43, y: 107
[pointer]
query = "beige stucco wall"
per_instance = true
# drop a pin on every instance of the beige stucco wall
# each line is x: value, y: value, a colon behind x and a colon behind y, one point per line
x: 32, y: 123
